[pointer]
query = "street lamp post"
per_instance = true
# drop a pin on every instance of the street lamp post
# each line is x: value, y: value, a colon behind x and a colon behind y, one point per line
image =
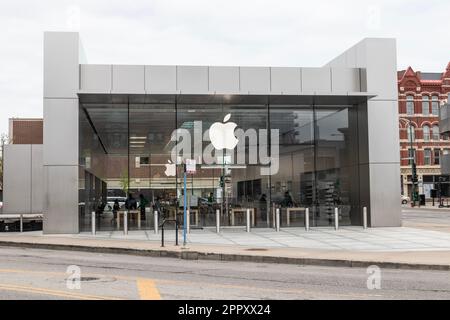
x: 413, y: 163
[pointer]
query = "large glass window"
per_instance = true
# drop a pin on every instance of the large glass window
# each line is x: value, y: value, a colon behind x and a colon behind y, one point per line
x: 126, y: 162
x: 294, y: 184
x: 103, y: 164
x: 336, y: 163
x: 150, y: 180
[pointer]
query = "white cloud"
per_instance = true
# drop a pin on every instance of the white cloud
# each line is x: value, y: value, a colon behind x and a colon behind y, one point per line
x: 232, y: 32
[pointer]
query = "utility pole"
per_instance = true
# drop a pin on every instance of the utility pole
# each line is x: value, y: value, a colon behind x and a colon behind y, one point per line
x: 413, y: 166
x: 411, y: 157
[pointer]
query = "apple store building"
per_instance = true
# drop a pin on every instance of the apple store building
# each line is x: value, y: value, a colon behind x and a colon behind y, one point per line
x: 248, y: 138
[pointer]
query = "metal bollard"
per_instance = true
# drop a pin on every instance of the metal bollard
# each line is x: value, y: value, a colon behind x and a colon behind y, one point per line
x: 162, y: 235
x: 307, y: 219
x: 248, y: 220
x: 277, y: 221
x: 188, y: 221
x: 365, y: 217
x: 217, y: 220
x: 156, y: 221
x: 125, y: 222
x: 336, y: 218
x: 21, y: 223
x: 176, y: 232
x: 93, y: 222
x: 273, y: 217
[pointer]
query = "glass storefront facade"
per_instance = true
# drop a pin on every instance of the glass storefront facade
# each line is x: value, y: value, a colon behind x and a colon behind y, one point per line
x: 125, y: 148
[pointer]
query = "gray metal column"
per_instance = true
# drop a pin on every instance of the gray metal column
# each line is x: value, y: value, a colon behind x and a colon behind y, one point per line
x: 60, y: 151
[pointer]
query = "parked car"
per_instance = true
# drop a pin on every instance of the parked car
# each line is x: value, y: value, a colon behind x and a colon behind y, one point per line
x: 405, y: 199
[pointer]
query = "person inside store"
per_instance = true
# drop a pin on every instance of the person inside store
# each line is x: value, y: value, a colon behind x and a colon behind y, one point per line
x: 116, y: 208
x: 287, y: 201
x: 130, y: 203
x: 157, y: 205
x: 143, y: 202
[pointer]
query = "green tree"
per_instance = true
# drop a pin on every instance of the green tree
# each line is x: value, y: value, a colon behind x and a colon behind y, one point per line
x: 124, y: 182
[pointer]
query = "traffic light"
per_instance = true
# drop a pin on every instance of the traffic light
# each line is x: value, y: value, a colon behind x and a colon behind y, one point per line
x: 221, y: 182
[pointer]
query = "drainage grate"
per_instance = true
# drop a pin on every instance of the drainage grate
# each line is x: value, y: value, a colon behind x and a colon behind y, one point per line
x: 256, y: 249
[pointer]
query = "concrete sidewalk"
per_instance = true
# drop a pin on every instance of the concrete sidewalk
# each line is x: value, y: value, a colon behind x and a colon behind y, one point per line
x: 430, y: 259
x: 426, y: 207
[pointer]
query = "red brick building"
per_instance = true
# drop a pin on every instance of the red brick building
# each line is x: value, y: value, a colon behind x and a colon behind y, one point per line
x: 25, y: 130
x: 420, y: 96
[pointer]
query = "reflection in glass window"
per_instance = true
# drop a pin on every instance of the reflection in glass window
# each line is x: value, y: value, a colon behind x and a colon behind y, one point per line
x: 427, y: 157
x: 410, y: 105
x: 126, y: 149
x: 437, y: 156
x: 425, y: 105
x: 426, y: 133
x: 435, y: 132
x: 435, y: 105
x: 411, y: 155
x: 336, y: 138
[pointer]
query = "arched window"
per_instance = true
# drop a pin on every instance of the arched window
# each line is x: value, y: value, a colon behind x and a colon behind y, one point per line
x: 425, y: 105
x: 426, y: 133
x: 435, y: 132
x: 410, y: 105
x: 411, y: 134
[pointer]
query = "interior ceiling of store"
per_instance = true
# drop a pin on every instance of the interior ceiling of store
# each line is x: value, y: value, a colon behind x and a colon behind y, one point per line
x: 151, y: 118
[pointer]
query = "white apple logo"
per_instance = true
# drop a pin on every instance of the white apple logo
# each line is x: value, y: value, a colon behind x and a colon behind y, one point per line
x: 222, y: 134
x: 170, y: 169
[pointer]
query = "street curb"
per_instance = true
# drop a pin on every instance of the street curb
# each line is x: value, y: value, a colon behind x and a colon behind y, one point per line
x: 196, y: 255
x: 428, y: 209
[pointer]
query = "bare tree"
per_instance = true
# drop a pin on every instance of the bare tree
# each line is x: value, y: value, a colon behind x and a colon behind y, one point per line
x: 4, y: 140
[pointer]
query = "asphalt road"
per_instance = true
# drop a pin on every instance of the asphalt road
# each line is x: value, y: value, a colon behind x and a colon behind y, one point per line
x: 41, y: 274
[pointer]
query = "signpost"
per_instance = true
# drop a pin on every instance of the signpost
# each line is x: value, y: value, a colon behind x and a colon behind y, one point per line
x: 189, y: 167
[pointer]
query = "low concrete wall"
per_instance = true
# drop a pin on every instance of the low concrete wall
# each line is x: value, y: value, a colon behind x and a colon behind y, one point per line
x: 23, y: 179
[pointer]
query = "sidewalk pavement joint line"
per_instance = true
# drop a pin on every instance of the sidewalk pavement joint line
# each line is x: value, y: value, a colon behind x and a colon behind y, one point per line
x: 272, y: 240
x: 309, y: 238
x: 147, y: 289
x: 233, y: 256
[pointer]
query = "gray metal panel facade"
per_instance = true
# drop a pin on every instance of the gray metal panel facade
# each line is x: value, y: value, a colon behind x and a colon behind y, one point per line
x: 23, y: 179
x: 381, y: 164
x: 60, y: 151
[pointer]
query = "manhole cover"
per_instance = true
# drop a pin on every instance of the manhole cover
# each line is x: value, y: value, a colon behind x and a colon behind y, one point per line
x: 256, y: 249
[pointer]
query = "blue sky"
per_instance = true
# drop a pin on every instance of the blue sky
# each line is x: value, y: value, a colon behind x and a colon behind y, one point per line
x: 210, y: 32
